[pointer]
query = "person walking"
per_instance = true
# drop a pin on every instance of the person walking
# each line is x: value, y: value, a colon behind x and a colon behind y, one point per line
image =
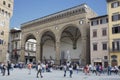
x: 116, y: 69
x: 77, y: 68
x: 86, y: 69
x: 65, y: 69
x: 109, y: 70
x: 39, y: 70
x: 29, y: 68
x: 8, y: 67
x: 71, y: 70
x: 98, y: 69
x: 94, y: 70
x: 3, y: 69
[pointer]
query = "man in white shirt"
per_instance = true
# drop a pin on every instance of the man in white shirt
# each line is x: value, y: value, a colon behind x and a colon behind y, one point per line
x: 71, y: 70
x: 39, y: 70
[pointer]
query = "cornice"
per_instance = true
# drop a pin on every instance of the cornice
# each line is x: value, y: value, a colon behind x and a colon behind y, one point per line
x: 110, y: 0
x: 102, y: 16
x: 65, y: 22
x: 59, y: 15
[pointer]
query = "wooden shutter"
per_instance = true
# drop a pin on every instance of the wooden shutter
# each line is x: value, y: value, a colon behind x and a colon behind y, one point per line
x: 118, y: 16
x: 113, y: 46
x: 112, y: 18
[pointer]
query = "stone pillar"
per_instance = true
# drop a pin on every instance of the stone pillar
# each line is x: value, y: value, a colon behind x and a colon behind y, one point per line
x: 38, y: 52
x: 57, y: 61
x: 22, y: 55
x: 84, y: 54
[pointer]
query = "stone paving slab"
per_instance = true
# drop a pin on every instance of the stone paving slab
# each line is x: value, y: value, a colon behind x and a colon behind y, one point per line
x: 18, y: 74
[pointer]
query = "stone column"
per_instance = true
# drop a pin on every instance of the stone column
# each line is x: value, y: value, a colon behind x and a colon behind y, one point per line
x: 38, y: 52
x: 38, y: 47
x: 57, y: 61
x: 22, y: 55
x: 84, y: 54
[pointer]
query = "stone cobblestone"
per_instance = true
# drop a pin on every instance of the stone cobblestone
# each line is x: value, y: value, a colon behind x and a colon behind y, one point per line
x: 18, y: 74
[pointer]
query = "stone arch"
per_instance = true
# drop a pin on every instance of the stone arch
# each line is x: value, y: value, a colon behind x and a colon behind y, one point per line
x: 69, y: 33
x: 70, y: 36
x: 42, y: 32
x: 63, y: 28
x: 47, y: 37
x: 29, y: 52
x: 29, y: 36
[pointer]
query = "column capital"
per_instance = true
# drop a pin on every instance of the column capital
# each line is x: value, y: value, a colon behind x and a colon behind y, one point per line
x: 57, y: 39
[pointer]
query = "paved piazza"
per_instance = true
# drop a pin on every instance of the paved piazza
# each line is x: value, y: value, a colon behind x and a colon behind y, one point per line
x: 18, y: 74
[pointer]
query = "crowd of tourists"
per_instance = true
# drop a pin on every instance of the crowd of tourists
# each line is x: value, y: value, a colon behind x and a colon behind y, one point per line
x: 5, y: 67
x: 42, y: 67
x: 99, y: 69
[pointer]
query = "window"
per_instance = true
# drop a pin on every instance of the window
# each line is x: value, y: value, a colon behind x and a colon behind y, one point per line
x: 16, y: 44
x: 104, y: 32
x: 81, y: 22
x: 115, y: 4
x: 16, y: 35
x: 8, y: 14
x: 104, y: 46
x: 9, y: 5
x: 2, y: 32
x: 32, y: 47
x: 114, y: 57
x: 28, y: 46
x: 116, y: 30
x: 5, y: 13
x: 4, y: 3
x: 95, y: 22
x: 1, y: 42
x: 105, y: 57
x: 94, y: 33
x: 115, y: 17
x: 95, y: 47
x: 2, y: 12
x: 104, y: 20
x: 116, y: 45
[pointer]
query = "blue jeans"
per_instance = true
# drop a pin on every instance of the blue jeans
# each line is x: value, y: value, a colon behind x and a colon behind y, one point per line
x: 71, y: 72
x: 109, y: 72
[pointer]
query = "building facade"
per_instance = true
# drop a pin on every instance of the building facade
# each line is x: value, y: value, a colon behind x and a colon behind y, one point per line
x: 60, y: 36
x: 99, y: 40
x: 6, y: 11
x: 14, y: 44
x: 113, y: 9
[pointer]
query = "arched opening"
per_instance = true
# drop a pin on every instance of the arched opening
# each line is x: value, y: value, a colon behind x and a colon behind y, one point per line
x: 30, y: 49
x: 47, y: 46
x: 71, y: 45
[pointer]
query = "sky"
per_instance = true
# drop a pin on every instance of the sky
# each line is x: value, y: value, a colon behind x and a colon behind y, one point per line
x: 27, y: 10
